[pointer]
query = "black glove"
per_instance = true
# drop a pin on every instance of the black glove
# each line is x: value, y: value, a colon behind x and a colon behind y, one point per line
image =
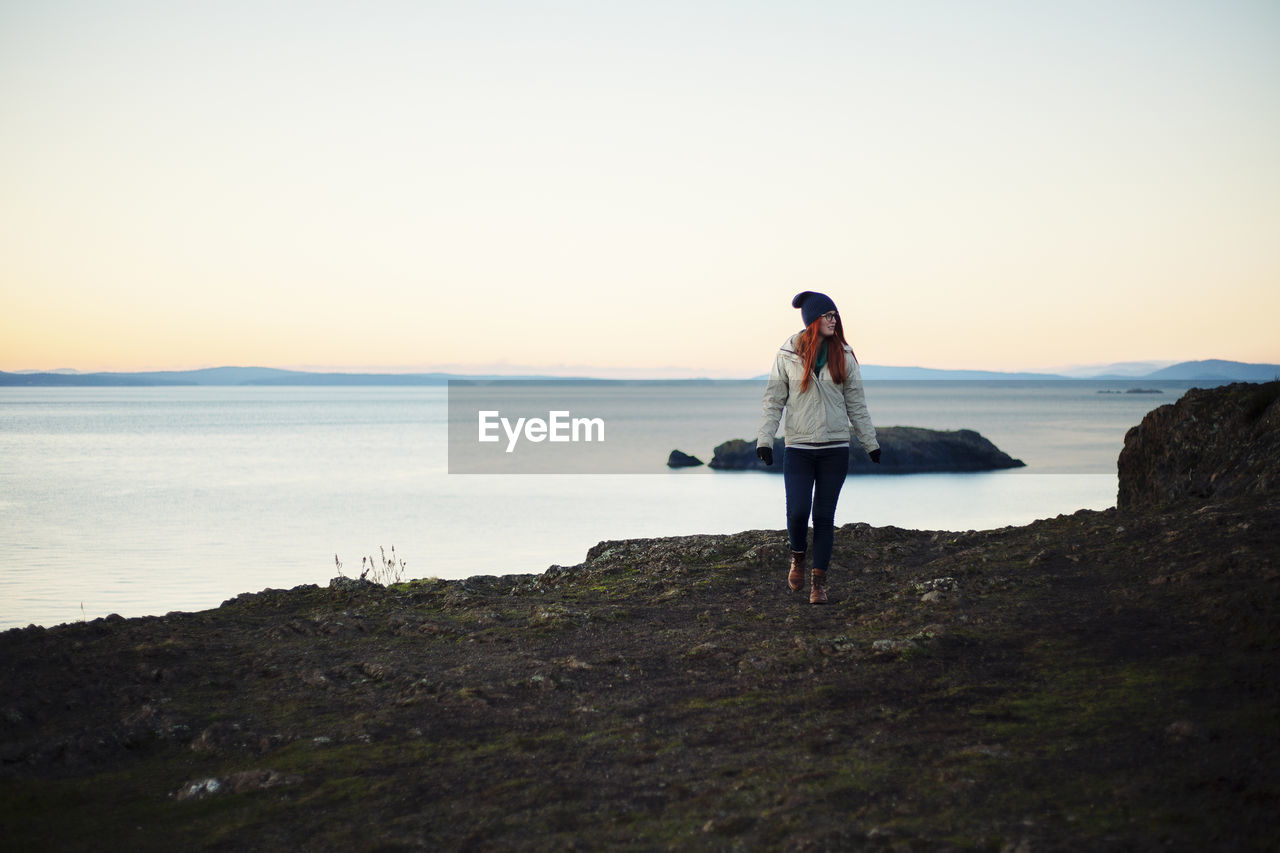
x: 875, y: 456
x: 765, y: 454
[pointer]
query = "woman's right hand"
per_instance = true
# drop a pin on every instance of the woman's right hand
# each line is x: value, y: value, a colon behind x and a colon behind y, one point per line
x: 765, y: 454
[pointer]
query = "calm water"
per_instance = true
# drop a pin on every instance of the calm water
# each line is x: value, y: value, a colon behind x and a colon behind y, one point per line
x: 146, y: 500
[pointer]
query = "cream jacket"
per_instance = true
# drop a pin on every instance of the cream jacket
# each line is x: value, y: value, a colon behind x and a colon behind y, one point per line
x: 822, y: 414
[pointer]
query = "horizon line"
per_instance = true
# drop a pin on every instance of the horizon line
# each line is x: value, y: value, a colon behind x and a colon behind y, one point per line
x: 1099, y: 369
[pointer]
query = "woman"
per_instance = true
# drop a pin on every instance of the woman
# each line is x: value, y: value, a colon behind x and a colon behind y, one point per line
x: 816, y: 377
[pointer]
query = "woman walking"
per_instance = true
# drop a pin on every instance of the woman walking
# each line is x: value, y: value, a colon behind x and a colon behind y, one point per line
x: 816, y: 378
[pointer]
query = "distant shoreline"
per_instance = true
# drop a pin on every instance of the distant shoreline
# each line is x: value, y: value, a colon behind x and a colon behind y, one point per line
x: 1207, y: 371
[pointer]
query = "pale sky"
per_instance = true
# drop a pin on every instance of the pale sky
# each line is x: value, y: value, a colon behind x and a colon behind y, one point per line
x: 636, y: 186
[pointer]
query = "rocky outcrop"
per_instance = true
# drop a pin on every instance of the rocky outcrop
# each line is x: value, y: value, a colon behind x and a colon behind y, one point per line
x: 680, y: 459
x: 903, y: 450
x: 1211, y: 444
x: 983, y: 684
x: 1086, y: 682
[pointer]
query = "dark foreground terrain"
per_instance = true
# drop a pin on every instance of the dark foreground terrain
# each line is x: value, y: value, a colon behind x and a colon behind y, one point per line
x: 1099, y: 681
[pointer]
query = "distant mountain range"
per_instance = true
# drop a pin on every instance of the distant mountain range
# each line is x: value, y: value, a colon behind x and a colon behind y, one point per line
x: 235, y: 376
x: 1209, y: 371
x: 225, y: 376
x: 1216, y: 370
x: 1212, y: 371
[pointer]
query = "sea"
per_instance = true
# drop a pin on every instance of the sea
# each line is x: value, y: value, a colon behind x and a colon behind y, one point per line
x: 146, y: 500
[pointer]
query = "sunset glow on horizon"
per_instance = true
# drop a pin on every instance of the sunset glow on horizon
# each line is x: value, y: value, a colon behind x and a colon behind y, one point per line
x: 572, y: 186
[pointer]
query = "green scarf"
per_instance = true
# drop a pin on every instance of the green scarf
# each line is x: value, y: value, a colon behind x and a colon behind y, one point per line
x: 822, y: 357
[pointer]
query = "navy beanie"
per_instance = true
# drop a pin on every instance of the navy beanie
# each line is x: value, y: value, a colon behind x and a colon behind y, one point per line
x: 812, y: 305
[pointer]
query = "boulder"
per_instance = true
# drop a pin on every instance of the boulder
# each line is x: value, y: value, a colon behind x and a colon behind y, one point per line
x: 1211, y: 444
x: 679, y: 459
x: 903, y: 450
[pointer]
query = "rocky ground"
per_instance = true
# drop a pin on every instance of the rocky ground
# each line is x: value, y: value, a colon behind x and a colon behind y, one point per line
x: 1099, y: 681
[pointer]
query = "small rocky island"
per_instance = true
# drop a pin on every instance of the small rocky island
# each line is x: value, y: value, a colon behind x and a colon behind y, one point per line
x: 679, y: 459
x: 1131, y: 391
x: 903, y: 450
x: 1101, y: 681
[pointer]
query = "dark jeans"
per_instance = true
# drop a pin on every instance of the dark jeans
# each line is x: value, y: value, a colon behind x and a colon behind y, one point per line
x: 813, y: 479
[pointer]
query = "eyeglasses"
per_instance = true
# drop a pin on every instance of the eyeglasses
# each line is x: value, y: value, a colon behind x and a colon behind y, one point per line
x: 830, y: 315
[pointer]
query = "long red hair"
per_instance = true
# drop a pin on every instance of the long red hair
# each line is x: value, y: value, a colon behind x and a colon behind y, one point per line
x: 808, y: 344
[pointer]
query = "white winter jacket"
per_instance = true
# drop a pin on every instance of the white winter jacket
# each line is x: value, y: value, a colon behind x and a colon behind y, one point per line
x: 824, y: 413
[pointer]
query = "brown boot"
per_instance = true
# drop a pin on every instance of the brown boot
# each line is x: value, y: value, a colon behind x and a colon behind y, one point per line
x: 818, y: 595
x: 795, y: 577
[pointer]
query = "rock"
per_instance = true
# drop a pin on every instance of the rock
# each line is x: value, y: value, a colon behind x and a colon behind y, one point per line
x: 903, y: 450
x: 943, y: 585
x: 236, y: 783
x: 374, y: 671
x: 1211, y: 444
x: 935, y: 591
x: 199, y: 788
x: 216, y: 738
x: 893, y: 645
x: 256, y: 780
x: 346, y: 584
x: 680, y: 459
